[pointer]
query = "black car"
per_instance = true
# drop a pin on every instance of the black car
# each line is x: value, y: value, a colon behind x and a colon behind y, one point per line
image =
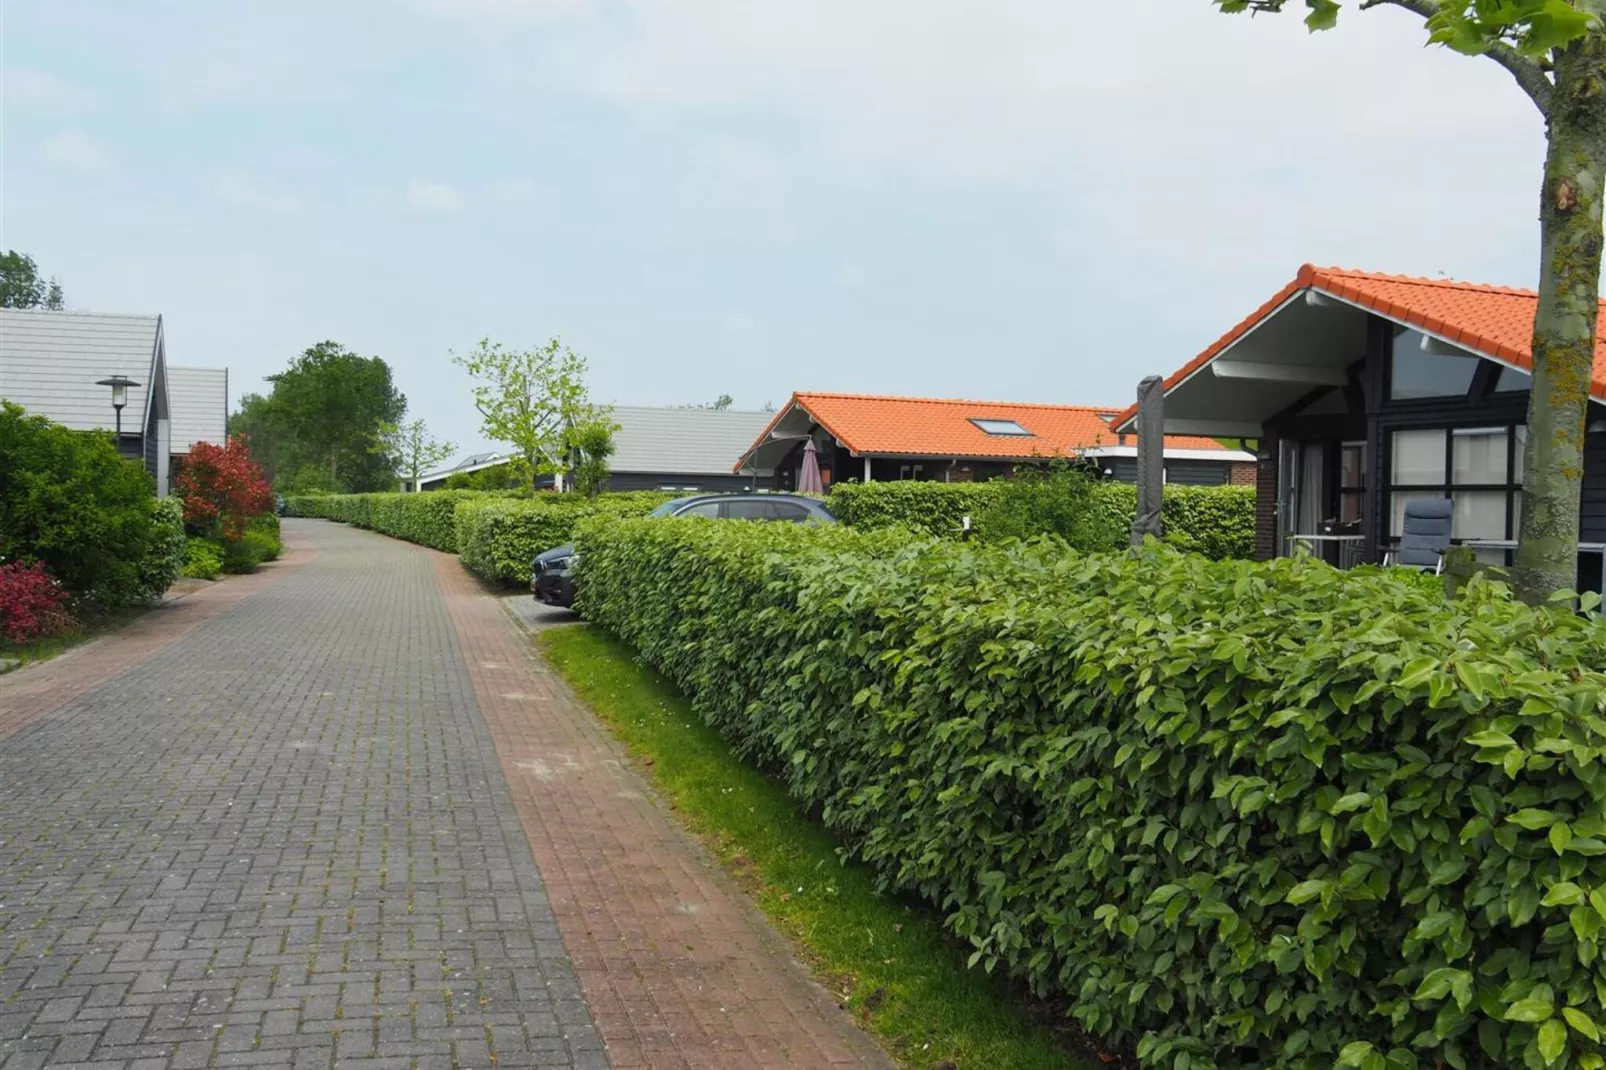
x: 552, y: 573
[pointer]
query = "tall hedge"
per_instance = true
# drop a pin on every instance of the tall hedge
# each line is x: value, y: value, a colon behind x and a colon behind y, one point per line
x: 1218, y: 521
x: 498, y: 538
x: 428, y: 519
x: 1237, y: 815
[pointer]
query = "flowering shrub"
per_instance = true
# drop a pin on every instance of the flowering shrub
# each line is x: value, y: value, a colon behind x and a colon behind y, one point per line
x: 222, y: 488
x: 30, y: 603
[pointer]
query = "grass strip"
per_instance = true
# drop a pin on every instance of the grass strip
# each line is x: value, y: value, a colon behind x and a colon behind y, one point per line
x: 891, y: 964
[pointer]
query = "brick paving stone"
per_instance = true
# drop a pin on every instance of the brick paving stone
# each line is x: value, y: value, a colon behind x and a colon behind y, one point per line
x: 678, y: 967
x: 267, y: 826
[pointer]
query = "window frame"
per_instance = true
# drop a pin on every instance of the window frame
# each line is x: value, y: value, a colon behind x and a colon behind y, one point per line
x: 1447, y: 487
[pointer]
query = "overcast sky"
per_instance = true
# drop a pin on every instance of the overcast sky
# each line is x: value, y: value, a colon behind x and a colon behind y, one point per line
x: 1029, y: 200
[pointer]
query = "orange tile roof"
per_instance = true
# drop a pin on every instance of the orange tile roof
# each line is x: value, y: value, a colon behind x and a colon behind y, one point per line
x: 941, y: 427
x: 1495, y: 321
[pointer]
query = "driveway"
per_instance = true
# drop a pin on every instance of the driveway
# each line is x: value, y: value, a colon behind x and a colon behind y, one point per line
x: 338, y: 813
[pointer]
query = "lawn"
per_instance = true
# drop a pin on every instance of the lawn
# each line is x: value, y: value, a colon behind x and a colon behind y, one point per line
x: 890, y: 963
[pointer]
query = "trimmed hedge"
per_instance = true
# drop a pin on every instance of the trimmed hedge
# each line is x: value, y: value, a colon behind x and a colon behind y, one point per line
x: 165, y: 554
x: 428, y: 519
x: 1218, y: 521
x: 498, y: 538
x: 1238, y: 815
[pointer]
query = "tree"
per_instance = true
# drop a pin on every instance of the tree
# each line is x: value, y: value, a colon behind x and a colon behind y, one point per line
x: 530, y: 399
x: 719, y: 404
x: 1556, y: 52
x: 21, y: 286
x: 591, y: 444
x: 222, y: 488
x: 330, y: 407
x: 413, y: 450
x: 260, y: 424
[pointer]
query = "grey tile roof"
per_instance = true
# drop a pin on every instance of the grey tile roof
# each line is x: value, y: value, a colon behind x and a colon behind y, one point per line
x: 198, y: 401
x: 690, y: 441
x: 49, y: 362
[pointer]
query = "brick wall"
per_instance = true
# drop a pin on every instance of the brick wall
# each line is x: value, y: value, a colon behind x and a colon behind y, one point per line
x: 1246, y: 474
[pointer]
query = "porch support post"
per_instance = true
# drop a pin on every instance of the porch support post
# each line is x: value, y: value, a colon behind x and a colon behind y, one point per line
x: 1151, y: 458
x: 867, y: 469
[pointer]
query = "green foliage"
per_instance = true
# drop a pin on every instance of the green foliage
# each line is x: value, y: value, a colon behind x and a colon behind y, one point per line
x: 1237, y: 815
x: 328, y: 410
x: 268, y: 539
x: 203, y: 559
x: 498, y: 538
x: 427, y: 518
x: 530, y: 398
x: 1056, y: 500
x: 498, y: 477
x: 1474, y: 27
x: 21, y: 285
x: 164, y: 558
x: 591, y: 444
x: 67, y: 499
x: 1218, y: 522
x: 412, y: 449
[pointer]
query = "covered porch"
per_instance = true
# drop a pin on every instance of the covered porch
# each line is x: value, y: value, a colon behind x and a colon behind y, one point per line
x: 1364, y: 392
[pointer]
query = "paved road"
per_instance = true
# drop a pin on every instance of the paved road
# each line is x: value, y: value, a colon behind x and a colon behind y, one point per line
x: 270, y: 827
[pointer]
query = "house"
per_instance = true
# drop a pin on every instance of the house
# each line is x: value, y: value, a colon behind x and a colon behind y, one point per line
x: 1365, y: 391
x: 52, y: 364
x: 659, y: 449
x: 874, y: 438
x: 198, y: 399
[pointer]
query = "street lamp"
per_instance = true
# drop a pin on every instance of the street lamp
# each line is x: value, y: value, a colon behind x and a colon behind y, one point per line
x: 119, y: 385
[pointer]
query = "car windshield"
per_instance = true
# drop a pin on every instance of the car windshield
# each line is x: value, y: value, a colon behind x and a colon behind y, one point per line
x: 669, y: 507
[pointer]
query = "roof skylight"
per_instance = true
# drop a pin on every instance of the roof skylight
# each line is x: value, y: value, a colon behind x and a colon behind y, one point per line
x: 1001, y: 427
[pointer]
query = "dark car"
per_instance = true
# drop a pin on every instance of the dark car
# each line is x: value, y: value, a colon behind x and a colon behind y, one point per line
x: 552, y: 573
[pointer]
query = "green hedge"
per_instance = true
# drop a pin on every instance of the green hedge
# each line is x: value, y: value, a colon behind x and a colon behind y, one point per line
x: 165, y: 555
x: 498, y: 538
x: 1216, y: 521
x: 1236, y: 815
x: 427, y: 519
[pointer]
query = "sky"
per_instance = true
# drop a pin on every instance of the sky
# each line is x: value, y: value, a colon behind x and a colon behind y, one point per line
x: 1020, y: 200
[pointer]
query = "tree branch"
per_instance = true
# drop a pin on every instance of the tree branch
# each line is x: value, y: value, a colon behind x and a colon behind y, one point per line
x: 1529, y: 73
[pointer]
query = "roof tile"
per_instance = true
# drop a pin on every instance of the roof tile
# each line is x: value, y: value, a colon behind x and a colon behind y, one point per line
x: 929, y: 427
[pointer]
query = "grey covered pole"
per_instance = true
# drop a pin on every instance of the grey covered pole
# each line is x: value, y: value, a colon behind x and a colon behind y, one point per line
x: 1151, y: 458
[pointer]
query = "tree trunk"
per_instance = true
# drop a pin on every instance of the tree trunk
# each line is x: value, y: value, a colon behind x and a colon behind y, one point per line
x: 1564, y: 328
x: 334, y: 471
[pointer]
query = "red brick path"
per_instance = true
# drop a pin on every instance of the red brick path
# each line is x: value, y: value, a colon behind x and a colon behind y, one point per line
x: 678, y: 968
x: 39, y: 690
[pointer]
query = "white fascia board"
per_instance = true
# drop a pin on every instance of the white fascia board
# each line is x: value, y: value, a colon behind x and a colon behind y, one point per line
x: 1226, y: 456
x: 1263, y: 371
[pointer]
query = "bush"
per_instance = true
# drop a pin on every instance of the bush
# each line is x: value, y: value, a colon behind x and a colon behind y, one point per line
x: 31, y: 603
x: 67, y: 499
x: 427, y: 519
x: 203, y: 559
x: 1236, y: 815
x: 1218, y: 521
x: 498, y: 538
x: 1057, y: 500
x: 164, y: 558
x: 268, y: 540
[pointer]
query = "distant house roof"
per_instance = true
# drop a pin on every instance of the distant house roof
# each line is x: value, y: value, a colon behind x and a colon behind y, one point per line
x: 1491, y: 321
x: 681, y: 441
x: 50, y: 361
x: 198, y: 399
x: 943, y: 427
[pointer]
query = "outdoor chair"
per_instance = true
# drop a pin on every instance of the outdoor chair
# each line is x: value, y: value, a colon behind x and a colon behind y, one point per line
x: 1424, y: 536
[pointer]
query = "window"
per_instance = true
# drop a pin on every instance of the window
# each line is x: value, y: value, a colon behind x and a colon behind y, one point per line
x: 1511, y: 380
x: 1351, y: 482
x: 748, y: 509
x: 912, y: 471
x: 1478, y: 468
x: 1418, y: 373
x: 707, y: 509
x: 796, y: 514
x: 1001, y: 427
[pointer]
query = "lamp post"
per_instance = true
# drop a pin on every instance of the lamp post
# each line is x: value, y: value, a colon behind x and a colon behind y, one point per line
x: 119, y: 385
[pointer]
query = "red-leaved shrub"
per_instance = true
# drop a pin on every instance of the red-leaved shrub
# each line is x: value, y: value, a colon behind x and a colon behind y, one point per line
x: 31, y: 603
x: 222, y: 488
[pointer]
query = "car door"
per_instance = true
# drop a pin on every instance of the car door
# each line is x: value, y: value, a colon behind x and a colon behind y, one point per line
x: 709, y: 510
x: 749, y: 509
x: 789, y: 511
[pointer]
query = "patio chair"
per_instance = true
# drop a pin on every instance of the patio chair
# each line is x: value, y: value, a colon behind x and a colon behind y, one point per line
x: 1425, y: 535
